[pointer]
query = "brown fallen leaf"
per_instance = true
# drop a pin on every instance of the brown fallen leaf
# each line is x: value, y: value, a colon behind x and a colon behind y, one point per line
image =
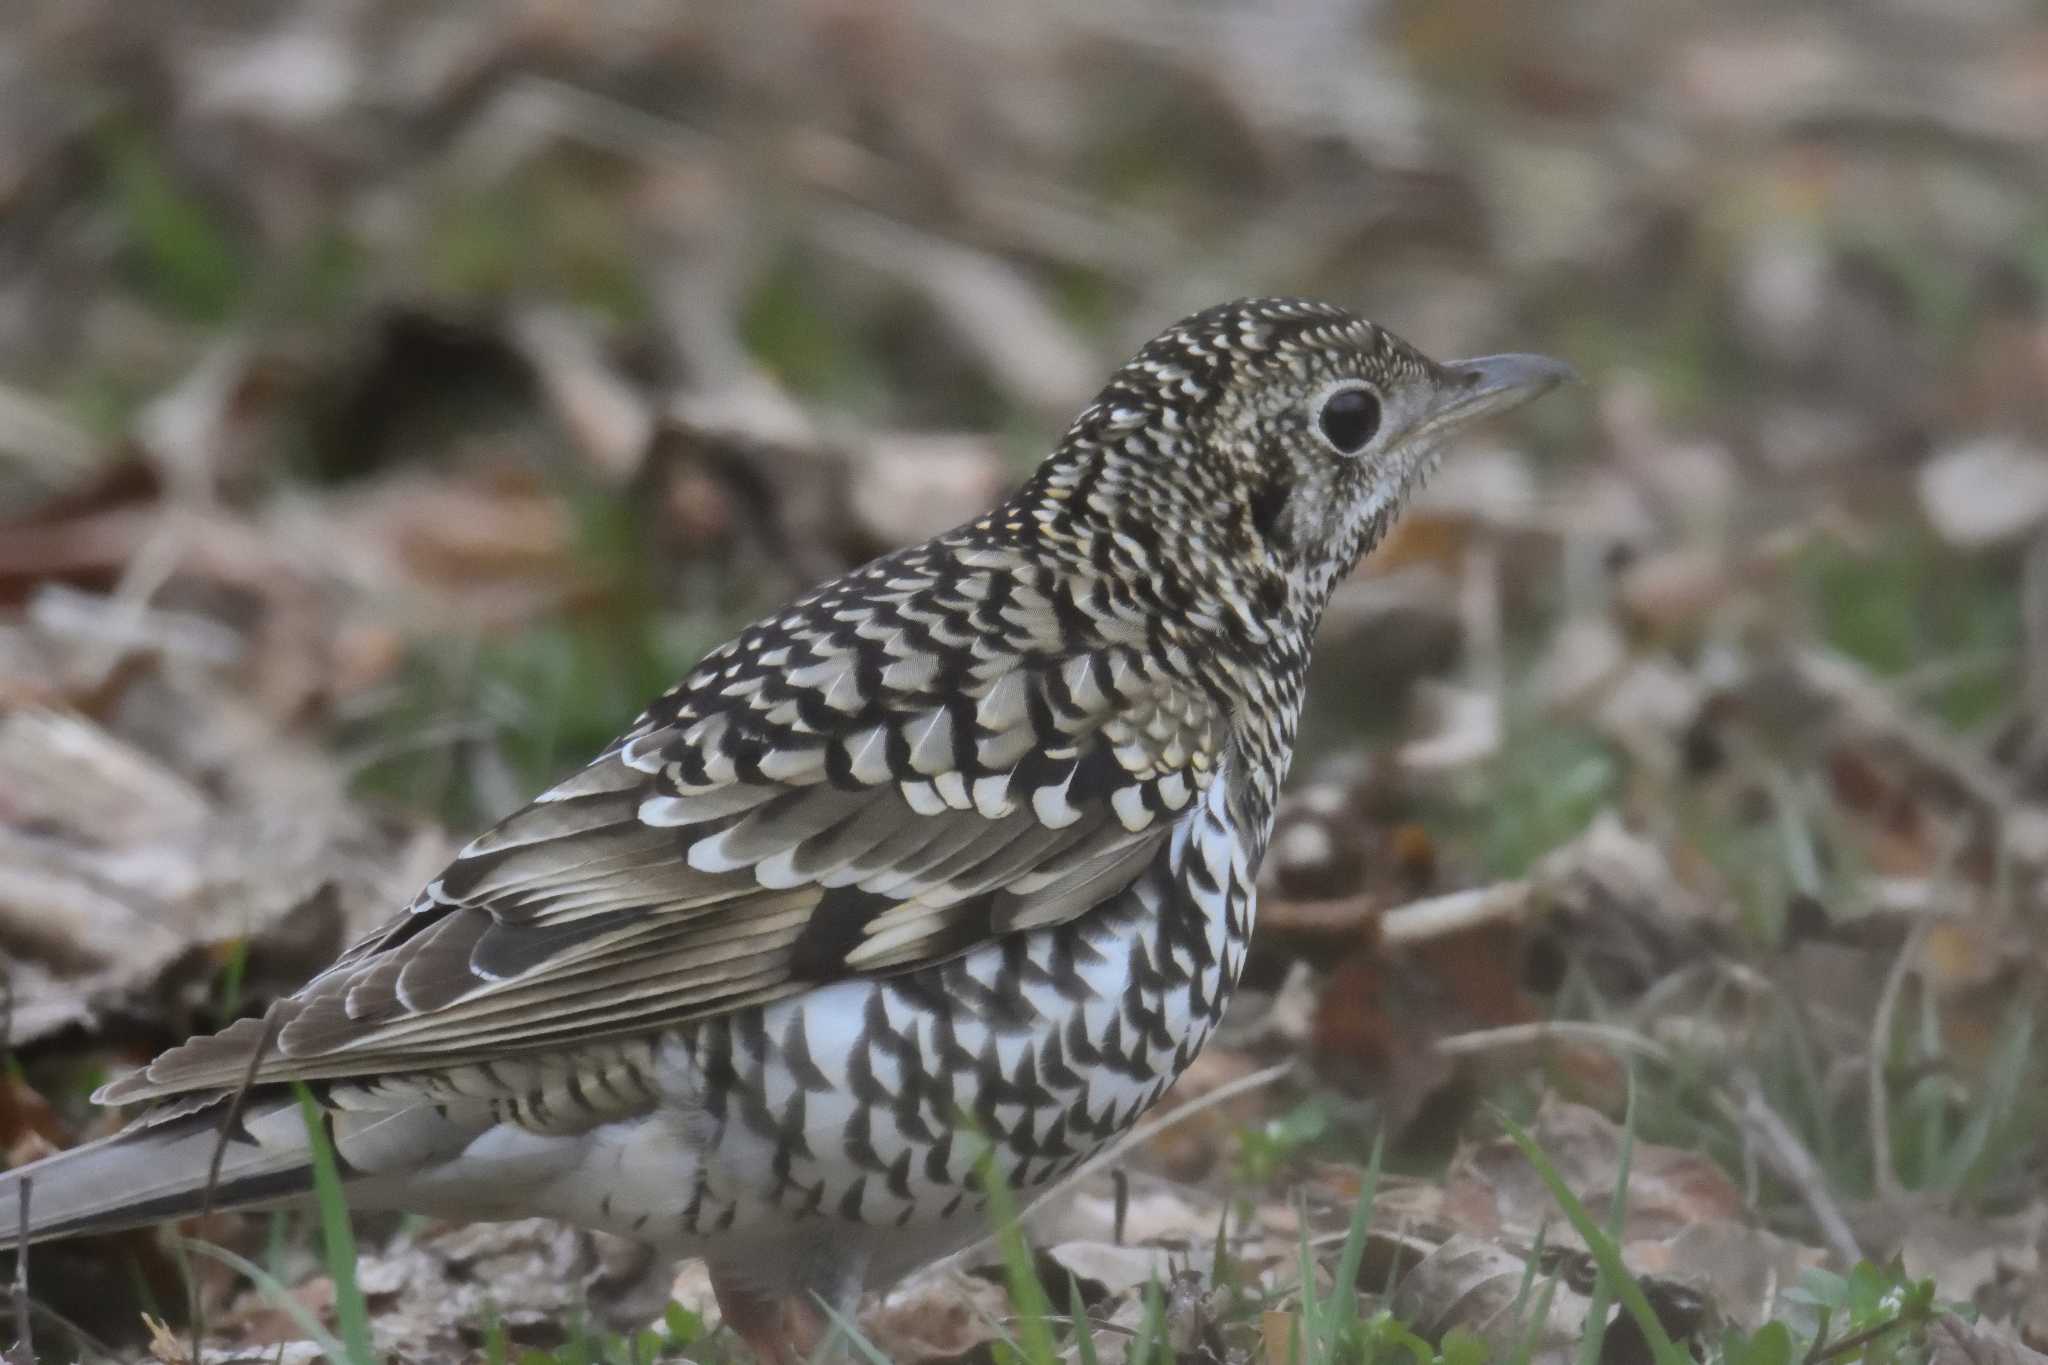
x: 1279, y: 1333
x: 936, y: 1317
x: 1473, y: 1284
x: 1381, y: 1011
x: 1965, y: 1256
x: 1957, y: 1341
x: 1492, y: 1188
x: 29, y: 1127
x: 1614, y: 903
x: 1686, y: 1221
x: 610, y: 422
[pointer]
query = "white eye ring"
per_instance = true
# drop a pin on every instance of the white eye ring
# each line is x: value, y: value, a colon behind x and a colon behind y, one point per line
x: 1347, y: 416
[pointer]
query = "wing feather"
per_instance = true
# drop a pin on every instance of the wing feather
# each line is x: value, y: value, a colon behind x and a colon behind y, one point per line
x: 697, y: 866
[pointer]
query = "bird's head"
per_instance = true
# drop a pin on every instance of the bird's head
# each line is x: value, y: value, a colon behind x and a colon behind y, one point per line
x: 1272, y: 438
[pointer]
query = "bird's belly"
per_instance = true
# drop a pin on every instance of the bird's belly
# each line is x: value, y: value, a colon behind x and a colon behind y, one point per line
x: 871, y: 1103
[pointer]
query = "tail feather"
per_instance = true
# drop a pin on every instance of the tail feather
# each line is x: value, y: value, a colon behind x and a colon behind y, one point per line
x: 160, y: 1168
x: 147, y: 1175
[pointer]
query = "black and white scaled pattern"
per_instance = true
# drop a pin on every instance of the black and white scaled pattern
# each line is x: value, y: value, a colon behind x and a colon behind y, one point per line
x: 947, y: 868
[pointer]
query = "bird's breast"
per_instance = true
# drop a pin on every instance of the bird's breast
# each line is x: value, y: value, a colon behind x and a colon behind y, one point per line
x: 875, y: 1101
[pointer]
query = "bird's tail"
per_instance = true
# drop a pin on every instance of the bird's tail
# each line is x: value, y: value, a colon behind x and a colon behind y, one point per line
x: 157, y: 1171
x: 161, y: 1168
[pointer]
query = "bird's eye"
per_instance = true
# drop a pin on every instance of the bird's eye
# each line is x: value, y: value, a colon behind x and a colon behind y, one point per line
x: 1348, y: 418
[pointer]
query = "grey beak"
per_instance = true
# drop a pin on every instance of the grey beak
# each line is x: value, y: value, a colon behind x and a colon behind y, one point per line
x: 1494, y: 383
x: 1504, y: 373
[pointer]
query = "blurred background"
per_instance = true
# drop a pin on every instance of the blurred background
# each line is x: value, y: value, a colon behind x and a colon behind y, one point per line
x: 394, y: 397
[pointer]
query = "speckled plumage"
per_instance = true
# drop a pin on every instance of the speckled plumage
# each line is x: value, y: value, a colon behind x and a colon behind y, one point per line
x: 957, y: 850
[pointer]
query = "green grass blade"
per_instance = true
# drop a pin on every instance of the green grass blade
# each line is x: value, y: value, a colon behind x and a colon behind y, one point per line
x: 338, y: 1238
x: 1220, y: 1272
x: 273, y: 1289
x: 1601, y: 1299
x: 231, y: 973
x: 852, y: 1333
x: 1027, y: 1292
x: 1084, y: 1329
x: 1310, y: 1344
x: 1529, y: 1265
x: 1537, y: 1319
x: 1603, y: 1249
x: 1151, y: 1328
x: 1346, y: 1308
x: 2004, y: 1083
x: 497, y: 1350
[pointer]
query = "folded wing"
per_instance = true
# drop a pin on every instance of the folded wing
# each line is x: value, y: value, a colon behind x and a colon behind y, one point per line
x: 872, y: 782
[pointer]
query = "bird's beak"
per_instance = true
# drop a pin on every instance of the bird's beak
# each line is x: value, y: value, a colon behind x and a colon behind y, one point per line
x: 1472, y: 389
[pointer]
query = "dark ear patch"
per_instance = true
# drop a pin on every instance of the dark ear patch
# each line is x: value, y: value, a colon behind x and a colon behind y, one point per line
x: 1267, y: 505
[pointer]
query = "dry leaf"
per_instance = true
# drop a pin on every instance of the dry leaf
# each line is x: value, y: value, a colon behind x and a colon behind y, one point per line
x: 1492, y: 1188
x: 1474, y: 1285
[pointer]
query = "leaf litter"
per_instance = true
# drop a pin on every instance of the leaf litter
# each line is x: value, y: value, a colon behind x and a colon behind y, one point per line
x: 421, y: 390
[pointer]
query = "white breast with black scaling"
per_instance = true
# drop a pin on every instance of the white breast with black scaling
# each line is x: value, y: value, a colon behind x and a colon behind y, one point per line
x: 872, y: 1102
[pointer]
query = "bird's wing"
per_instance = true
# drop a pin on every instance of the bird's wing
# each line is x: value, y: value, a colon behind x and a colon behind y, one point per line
x: 907, y: 764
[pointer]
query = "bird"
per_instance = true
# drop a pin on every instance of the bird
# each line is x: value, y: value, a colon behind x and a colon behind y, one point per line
x: 931, y: 881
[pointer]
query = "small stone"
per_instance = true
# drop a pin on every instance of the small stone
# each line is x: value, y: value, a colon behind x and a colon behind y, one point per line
x: 1985, y: 491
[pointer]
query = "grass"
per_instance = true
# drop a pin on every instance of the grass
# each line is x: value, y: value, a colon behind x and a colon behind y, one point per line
x: 1550, y: 782
x: 1330, y: 1325
x: 552, y: 226
x: 1901, y: 604
x: 1957, y: 1113
x: 1614, y: 1281
x: 337, y: 1234
x: 1869, y: 1314
x: 1907, y: 604
x: 786, y: 330
x: 1948, y: 1137
x: 185, y: 260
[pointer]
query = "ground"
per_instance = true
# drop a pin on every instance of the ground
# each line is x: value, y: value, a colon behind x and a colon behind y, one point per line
x: 392, y: 398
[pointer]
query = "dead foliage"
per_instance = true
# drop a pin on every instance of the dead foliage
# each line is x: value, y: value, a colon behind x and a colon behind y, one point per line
x: 392, y: 398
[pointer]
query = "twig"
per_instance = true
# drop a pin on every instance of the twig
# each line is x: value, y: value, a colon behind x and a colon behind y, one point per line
x: 1555, y: 1030
x: 23, y: 1336
x: 1870, y: 707
x: 1821, y: 1352
x: 24, y: 1332
x: 1753, y: 1113
x: 438, y: 734
x: 1788, y: 1156
x: 89, y: 1346
x: 1918, y: 684
x: 1438, y: 916
x: 237, y: 1103
x: 154, y: 563
x: 1077, y: 1324
x: 1120, y: 1182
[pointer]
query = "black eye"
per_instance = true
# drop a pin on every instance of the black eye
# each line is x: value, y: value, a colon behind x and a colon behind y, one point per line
x: 1349, y: 418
